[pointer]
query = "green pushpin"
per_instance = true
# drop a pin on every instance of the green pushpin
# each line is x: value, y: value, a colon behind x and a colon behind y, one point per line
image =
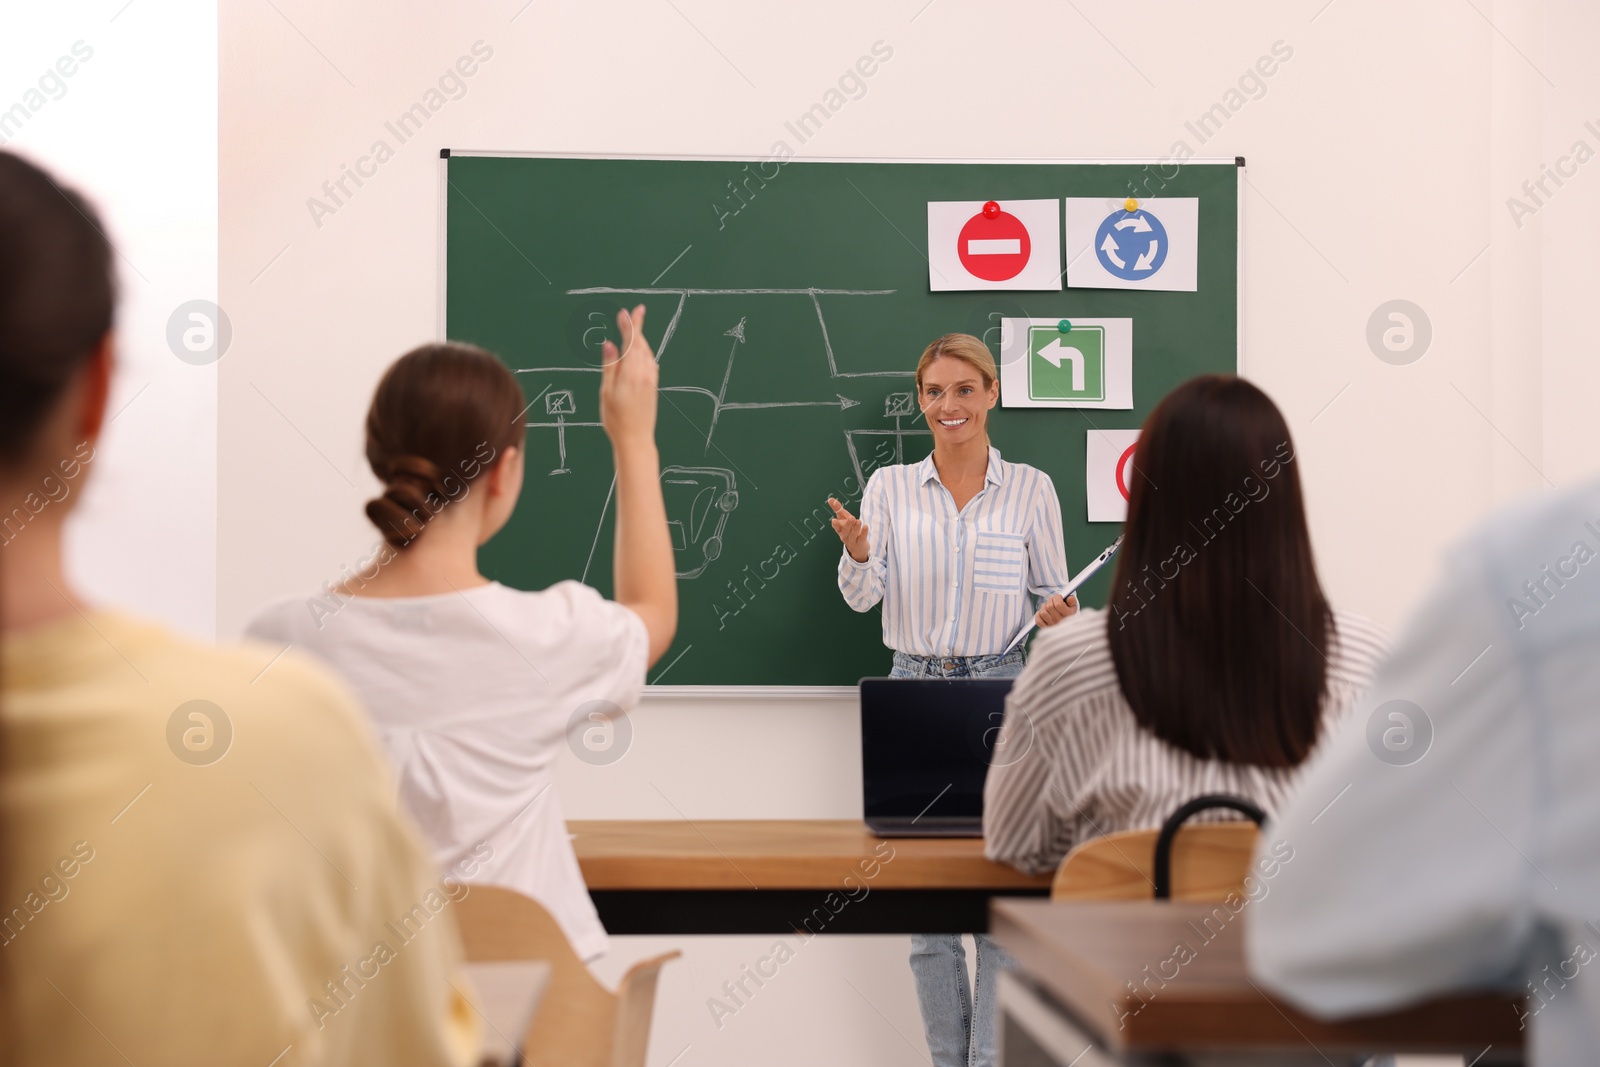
x: 1065, y: 326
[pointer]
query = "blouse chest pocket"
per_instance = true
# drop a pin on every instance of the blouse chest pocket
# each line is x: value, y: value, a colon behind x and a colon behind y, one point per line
x: 997, y: 562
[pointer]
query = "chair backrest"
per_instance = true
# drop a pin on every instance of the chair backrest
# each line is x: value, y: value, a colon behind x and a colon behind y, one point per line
x: 579, y: 1023
x: 1209, y: 861
x: 1175, y: 821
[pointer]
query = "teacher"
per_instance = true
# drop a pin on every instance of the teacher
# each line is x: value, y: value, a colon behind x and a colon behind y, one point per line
x: 956, y: 547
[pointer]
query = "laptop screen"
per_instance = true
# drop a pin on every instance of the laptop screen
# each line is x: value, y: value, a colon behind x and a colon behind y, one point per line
x: 926, y: 743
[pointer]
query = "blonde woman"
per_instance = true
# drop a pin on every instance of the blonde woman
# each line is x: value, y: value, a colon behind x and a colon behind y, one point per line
x: 956, y: 548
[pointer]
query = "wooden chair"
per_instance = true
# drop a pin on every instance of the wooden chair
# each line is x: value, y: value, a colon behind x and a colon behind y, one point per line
x: 579, y: 1023
x: 1205, y: 862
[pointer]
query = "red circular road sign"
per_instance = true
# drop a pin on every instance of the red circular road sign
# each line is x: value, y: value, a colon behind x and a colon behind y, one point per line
x: 1122, y: 467
x: 994, y: 249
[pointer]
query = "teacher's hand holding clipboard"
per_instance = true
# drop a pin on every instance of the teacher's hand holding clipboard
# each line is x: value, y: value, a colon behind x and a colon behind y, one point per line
x: 1055, y: 609
x: 1072, y: 597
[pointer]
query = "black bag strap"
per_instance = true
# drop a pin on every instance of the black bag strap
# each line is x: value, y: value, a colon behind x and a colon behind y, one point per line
x: 1169, y: 830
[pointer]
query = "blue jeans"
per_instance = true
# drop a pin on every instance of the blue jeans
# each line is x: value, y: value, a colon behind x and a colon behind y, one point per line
x: 909, y: 666
x: 959, y: 1023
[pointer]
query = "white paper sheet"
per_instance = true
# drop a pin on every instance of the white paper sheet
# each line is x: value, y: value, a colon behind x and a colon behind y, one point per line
x: 1019, y: 249
x: 1089, y: 366
x: 1109, y: 465
x: 1155, y: 247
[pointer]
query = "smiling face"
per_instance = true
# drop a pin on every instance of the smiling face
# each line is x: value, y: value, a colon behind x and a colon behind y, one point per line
x: 955, y: 400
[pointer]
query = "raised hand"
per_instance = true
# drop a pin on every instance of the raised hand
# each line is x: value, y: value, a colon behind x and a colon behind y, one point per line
x: 628, y: 383
x: 643, y: 563
x: 851, y: 530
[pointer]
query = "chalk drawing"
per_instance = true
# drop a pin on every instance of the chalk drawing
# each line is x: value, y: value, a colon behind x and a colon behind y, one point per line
x: 700, y: 499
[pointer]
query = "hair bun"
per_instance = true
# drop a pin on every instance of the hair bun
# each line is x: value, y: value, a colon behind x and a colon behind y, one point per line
x: 415, y: 493
x: 442, y: 415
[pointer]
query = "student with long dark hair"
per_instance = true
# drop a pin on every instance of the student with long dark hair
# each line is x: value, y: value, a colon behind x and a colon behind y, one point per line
x: 1218, y: 664
x: 471, y: 684
x: 203, y: 858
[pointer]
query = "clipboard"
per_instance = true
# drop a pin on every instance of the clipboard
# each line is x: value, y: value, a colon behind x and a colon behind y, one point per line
x: 1072, y: 587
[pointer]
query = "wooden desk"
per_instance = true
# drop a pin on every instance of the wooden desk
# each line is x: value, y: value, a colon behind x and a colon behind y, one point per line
x: 754, y: 876
x: 1078, y: 959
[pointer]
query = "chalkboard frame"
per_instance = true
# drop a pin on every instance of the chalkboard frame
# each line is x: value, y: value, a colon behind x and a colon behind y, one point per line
x: 821, y: 692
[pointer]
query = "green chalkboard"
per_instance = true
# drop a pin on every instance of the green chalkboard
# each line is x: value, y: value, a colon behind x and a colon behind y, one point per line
x: 788, y: 305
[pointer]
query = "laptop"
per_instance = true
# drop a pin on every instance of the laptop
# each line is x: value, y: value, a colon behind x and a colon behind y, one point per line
x: 925, y: 748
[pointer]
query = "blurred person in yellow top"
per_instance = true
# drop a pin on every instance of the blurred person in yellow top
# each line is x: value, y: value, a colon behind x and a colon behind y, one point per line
x: 201, y: 857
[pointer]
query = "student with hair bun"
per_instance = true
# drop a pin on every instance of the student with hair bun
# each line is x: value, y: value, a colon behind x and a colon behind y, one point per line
x: 472, y: 684
x: 443, y: 415
x: 201, y: 851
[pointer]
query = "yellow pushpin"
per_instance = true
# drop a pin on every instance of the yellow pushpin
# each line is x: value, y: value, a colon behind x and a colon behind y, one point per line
x: 1130, y: 204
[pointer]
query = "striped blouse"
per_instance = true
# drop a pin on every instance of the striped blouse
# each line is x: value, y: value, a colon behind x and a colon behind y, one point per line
x: 1088, y: 768
x: 956, y: 583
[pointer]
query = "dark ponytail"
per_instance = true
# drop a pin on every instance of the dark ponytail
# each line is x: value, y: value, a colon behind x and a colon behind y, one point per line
x: 441, y: 416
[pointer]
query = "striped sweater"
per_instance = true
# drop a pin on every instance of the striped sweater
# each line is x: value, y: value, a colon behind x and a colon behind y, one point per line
x: 1076, y: 764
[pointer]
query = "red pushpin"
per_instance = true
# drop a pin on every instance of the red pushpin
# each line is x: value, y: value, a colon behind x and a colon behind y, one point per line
x: 991, y: 210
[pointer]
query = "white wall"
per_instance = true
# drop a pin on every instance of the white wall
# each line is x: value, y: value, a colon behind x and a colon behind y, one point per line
x: 134, y: 127
x: 1380, y: 157
x: 1378, y: 169
x: 1570, y: 369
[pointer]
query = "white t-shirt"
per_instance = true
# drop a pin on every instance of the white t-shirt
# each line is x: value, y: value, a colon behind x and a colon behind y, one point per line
x: 471, y: 693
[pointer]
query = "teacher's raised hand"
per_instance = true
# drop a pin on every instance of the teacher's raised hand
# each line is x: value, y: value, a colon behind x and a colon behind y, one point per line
x: 851, y: 530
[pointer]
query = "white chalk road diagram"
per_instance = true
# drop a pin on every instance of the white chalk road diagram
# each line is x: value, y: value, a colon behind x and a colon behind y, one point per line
x: 702, y: 494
